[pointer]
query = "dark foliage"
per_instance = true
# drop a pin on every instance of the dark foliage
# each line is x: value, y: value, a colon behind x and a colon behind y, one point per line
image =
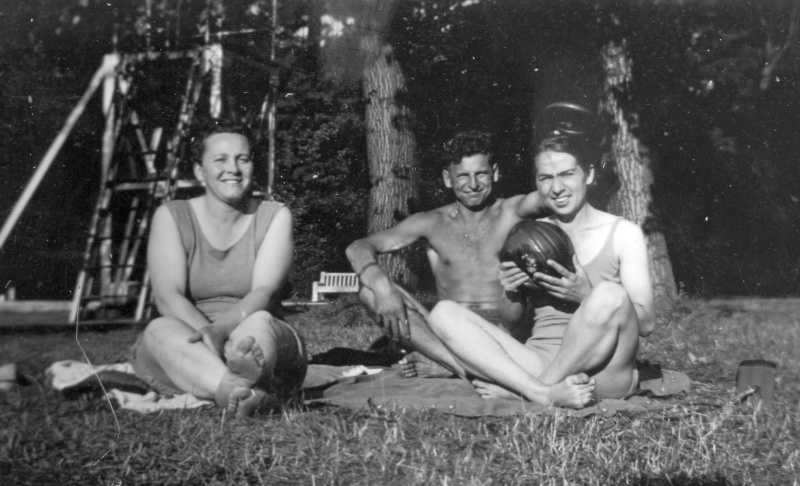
x: 320, y: 149
x: 723, y: 147
x: 722, y: 140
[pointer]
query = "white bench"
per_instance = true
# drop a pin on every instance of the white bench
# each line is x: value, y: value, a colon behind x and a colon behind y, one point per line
x: 334, y: 283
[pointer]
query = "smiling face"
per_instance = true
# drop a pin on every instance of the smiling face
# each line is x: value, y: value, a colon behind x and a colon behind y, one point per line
x: 562, y: 182
x: 226, y: 167
x: 471, y: 180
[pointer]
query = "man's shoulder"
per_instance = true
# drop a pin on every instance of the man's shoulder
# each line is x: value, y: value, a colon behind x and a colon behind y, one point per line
x: 423, y: 221
x: 512, y: 201
x: 438, y: 213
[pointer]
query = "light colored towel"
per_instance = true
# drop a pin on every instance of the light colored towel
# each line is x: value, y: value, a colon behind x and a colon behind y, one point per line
x: 62, y: 375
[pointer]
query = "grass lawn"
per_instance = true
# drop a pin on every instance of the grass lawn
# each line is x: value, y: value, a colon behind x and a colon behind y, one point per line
x: 45, y: 439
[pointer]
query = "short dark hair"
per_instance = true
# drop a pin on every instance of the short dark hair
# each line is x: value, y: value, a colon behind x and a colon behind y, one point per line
x: 206, y: 128
x: 568, y: 144
x: 466, y: 144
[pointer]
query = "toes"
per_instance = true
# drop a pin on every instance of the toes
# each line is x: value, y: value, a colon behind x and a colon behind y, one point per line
x: 258, y: 354
x: 581, y: 378
x: 237, y: 395
x: 245, y: 345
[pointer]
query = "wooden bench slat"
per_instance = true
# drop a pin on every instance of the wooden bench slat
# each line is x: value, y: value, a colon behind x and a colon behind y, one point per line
x: 332, y: 283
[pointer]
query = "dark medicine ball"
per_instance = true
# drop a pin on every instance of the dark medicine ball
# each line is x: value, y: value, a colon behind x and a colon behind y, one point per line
x: 531, y: 243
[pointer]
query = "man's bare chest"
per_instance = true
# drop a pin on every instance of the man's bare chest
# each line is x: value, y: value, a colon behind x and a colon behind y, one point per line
x: 461, y: 243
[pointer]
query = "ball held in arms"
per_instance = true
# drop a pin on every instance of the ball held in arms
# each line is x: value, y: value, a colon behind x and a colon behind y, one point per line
x: 531, y: 243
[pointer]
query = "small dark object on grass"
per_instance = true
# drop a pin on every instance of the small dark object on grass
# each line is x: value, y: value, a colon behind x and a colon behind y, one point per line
x: 382, y: 352
x: 531, y: 243
x: 756, y: 378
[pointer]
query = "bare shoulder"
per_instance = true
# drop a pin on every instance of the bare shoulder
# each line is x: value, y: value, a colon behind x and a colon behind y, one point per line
x: 512, y: 202
x: 162, y: 216
x: 436, y: 216
x: 629, y: 236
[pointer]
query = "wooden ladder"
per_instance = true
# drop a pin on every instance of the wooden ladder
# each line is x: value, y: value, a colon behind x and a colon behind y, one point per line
x: 140, y: 170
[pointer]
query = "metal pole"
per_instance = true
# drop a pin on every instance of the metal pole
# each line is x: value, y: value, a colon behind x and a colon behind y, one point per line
x: 110, y: 62
x: 273, y: 89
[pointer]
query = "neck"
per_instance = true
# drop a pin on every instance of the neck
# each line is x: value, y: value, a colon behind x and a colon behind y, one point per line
x: 467, y: 213
x: 577, y: 218
x: 224, y: 212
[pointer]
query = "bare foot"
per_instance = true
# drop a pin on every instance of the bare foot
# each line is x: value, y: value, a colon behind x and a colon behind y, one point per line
x: 418, y: 365
x: 245, y: 366
x: 491, y: 391
x: 575, y: 391
x: 246, y: 402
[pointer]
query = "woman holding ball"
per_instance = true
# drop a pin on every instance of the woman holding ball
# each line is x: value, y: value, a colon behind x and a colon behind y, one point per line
x: 586, y: 324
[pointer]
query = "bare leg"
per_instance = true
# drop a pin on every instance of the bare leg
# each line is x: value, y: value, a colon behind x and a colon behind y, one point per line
x: 192, y: 367
x: 488, y: 353
x: 602, y: 339
x: 253, y: 350
x: 422, y: 339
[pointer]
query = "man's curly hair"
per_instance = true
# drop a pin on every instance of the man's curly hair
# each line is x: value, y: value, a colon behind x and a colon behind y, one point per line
x: 466, y: 144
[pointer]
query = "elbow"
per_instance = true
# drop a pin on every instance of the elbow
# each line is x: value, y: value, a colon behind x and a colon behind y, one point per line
x: 350, y: 251
x: 353, y: 250
x: 646, y: 326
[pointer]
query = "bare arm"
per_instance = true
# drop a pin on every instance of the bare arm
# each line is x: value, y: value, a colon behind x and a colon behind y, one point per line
x: 363, y: 253
x: 271, y: 268
x: 516, y: 292
x: 530, y: 205
x: 635, y: 273
x: 166, y: 260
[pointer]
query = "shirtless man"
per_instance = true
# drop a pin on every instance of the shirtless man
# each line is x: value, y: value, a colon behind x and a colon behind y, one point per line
x: 464, y: 239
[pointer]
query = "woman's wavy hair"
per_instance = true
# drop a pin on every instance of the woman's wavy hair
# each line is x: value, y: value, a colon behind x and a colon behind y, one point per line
x: 576, y: 146
x: 206, y: 128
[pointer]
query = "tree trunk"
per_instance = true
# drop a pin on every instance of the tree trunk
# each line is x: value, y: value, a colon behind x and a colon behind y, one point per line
x: 634, y: 198
x: 390, y: 149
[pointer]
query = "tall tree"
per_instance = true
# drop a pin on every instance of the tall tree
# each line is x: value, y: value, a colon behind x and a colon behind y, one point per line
x: 358, y: 32
x: 633, y: 200
x: 391, y: 144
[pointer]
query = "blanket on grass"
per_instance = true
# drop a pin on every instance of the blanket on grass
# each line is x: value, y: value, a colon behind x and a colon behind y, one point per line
x: 362, y: 387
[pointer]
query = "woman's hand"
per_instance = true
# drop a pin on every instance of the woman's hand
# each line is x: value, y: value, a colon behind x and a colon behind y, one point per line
x: 212, y: 336
x: 512, y: 278
x: 573, y: 287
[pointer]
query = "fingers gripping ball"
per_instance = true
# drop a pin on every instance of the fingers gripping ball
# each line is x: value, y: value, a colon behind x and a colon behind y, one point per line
x: 531, y: 243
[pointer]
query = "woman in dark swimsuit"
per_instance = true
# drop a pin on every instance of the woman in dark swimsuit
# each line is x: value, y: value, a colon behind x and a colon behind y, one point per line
x: 217, y: 264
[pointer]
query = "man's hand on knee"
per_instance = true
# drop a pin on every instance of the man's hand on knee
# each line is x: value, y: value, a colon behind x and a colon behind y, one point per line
x: 390, y: 311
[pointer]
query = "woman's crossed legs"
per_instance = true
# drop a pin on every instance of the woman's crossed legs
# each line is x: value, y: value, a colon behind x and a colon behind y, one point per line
x: 255, y: 350
x: 601, y: 340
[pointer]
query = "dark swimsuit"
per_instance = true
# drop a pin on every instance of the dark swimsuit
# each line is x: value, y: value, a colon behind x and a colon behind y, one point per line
x: 217, y: 280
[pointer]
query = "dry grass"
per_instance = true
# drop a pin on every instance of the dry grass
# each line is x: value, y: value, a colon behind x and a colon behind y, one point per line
x: 707, y: 441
